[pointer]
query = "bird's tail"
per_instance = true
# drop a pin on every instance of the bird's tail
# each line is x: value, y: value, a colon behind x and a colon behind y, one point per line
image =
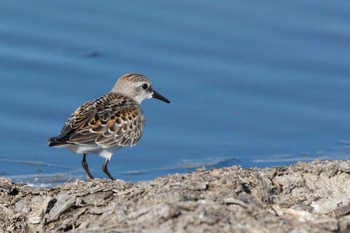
x: 55, y: 141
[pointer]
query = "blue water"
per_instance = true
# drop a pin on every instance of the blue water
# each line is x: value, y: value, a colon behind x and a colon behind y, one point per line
x: 252, y: 83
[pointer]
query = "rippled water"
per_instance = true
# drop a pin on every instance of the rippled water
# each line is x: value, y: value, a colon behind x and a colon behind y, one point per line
x: 251, y: 83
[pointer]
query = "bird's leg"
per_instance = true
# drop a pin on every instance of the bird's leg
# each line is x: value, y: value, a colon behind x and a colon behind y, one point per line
x: 86, y: 167
x: 105, y: 170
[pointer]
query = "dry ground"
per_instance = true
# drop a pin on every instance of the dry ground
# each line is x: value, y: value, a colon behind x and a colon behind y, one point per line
x: 306, y: 197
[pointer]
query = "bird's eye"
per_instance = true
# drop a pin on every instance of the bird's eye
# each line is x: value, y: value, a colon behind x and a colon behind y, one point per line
x: 144, y: 86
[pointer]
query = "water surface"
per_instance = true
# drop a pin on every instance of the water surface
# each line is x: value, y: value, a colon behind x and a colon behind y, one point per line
x: 251, y: 83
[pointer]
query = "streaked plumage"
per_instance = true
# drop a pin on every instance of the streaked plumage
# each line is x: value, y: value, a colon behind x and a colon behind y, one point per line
x: 106, y: 124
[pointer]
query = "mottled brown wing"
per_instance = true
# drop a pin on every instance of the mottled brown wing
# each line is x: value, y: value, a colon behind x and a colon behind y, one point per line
x: 112, y: 120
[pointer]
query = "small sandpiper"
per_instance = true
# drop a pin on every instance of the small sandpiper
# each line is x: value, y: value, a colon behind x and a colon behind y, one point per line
x: 106, y: 124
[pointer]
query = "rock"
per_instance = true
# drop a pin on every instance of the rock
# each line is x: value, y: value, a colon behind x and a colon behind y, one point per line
x: 305, y: 197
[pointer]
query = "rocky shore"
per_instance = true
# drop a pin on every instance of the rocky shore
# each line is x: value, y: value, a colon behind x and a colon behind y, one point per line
x: 305, y: 197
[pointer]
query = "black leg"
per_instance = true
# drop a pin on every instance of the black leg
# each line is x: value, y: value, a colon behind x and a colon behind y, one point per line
x: 86, y: 167
x: 105, y: 170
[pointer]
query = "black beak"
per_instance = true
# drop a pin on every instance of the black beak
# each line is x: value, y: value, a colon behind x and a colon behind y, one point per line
x: 156, y: 95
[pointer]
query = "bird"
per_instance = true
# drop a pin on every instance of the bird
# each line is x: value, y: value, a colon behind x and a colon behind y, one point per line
x: 104, y: 125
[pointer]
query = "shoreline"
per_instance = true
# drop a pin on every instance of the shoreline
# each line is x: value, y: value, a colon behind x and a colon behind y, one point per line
x: 304, y: 197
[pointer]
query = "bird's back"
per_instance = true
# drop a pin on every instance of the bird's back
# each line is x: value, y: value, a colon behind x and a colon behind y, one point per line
x: 111, y: 121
